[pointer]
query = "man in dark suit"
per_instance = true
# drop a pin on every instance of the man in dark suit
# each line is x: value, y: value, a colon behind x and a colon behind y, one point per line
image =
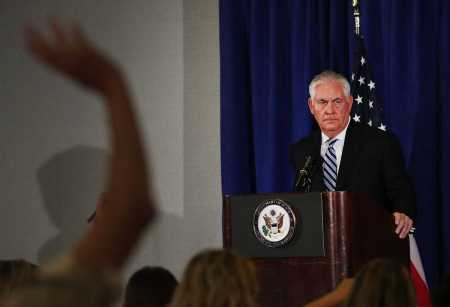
x: 348, y: 156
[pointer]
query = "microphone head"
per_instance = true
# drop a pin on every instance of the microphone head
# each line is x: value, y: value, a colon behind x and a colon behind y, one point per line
x: 308, y: 162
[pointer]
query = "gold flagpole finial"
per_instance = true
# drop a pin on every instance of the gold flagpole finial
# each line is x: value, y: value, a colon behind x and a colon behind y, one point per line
x: 355, y: 3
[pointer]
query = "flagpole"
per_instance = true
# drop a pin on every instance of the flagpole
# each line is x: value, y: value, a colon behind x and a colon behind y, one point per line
x: 356, y: 16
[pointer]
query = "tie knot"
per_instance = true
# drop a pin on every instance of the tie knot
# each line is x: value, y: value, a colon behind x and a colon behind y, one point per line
x: 332, y: 142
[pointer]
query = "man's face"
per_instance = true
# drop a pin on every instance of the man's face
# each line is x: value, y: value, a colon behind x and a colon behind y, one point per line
x: 330, y: 107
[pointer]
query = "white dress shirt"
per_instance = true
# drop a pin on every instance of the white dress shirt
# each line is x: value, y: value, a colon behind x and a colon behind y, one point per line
x: 338, y: 146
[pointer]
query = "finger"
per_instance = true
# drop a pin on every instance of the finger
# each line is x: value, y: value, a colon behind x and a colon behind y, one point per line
x: 407, y: 227
x: 404, y: 232
x: 61, y: 37
x: 31, y: 36
x: 399, y: 229
x: 399, y: 221
x: 397, y: 217
x: 79, y: 37
x: 36, y: 43
x: 41, y: 50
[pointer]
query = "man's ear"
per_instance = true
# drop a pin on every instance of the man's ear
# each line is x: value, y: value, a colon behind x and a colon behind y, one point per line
x: 310, y: 105
x: 350, y: 101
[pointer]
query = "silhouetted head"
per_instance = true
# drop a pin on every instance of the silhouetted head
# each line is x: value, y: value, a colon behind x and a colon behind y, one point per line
x: 150, y: 287
x: 15, y: 273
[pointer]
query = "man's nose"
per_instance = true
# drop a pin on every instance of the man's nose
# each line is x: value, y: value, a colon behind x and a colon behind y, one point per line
x: 330, y: 108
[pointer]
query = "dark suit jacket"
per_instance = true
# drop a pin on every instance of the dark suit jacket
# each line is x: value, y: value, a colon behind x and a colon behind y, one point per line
x: 372, y: 162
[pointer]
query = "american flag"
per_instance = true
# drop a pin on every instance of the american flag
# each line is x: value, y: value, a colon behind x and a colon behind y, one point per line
x: 365, y: 109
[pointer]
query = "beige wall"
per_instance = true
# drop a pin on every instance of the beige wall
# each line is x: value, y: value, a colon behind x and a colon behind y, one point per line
x: 54, y: 138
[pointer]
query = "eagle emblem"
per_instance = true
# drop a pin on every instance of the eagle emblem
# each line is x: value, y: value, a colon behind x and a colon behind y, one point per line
x: 274, y: 223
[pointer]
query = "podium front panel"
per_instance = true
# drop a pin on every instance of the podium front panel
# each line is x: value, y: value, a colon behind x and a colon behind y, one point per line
x: 308, y: 238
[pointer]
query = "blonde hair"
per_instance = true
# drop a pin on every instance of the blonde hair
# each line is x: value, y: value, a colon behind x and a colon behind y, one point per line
x: 217, y: 278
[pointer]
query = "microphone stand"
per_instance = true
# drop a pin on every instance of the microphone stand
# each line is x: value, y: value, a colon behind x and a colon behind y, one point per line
x: 303, y: 181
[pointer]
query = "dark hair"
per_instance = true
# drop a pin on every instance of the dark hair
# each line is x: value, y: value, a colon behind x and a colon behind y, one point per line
x: 15, y: 273
x: 150, y: 287
x: 382, y: 283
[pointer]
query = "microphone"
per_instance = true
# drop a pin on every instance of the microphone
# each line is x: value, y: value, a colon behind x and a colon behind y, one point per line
x: 303, y: 181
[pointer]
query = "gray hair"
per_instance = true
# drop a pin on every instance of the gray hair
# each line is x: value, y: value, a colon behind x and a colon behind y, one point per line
x: 326, y: 76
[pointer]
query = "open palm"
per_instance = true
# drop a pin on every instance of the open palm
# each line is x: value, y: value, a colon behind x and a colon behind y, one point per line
x: 70, y: 53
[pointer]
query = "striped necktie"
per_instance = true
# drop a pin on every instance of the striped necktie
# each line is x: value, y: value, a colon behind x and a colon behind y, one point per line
x: 330, y: 167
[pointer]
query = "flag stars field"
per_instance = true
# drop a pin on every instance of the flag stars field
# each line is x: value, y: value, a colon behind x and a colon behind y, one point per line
x: 363, y: 61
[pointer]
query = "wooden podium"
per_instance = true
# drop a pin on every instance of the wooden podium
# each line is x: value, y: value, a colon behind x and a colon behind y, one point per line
x: 336, y: 233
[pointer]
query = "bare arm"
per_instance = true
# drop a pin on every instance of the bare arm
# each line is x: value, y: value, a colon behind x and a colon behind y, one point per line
x: 336, y: 297
x: 128, y: 203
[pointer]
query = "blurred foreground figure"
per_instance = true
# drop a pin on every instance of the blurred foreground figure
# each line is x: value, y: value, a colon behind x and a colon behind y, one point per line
x: 335, y: 298
x: 87, y: 275
x: 150, y: 287
x: 14, y: 274
x: 382, y: 283
x: 217, y: 278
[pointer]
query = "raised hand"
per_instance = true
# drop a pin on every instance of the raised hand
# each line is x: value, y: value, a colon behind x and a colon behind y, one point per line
x: 127, y: 206
x: 69, y: 52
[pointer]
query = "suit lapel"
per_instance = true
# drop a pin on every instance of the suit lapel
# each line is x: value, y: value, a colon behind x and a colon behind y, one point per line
x: 316, y: 172
x: 349, y: 155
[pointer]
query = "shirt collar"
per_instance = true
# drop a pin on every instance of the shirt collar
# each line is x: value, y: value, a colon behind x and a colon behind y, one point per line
x: 340, y: 136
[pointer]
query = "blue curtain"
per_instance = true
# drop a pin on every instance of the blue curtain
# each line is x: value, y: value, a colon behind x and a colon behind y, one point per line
x: 271, y: 49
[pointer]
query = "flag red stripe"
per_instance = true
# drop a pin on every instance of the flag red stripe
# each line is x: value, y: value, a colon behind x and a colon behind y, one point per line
x: 422, y: 295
